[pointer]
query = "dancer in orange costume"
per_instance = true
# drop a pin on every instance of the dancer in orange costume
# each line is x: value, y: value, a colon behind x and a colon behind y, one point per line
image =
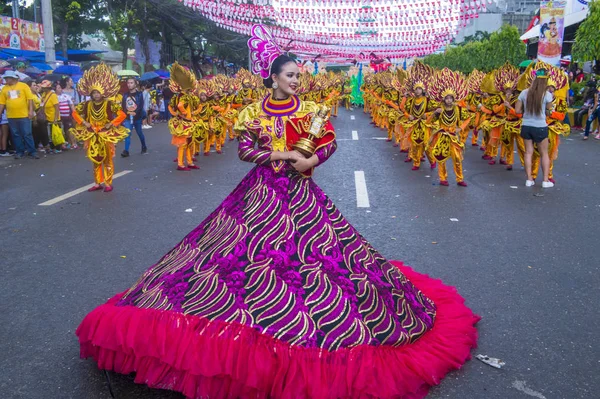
x: 184, y: 108
x: 98, y: 122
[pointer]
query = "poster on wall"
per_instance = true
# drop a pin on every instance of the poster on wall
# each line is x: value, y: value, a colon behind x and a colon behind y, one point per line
x: 552, y: 27
x: 19, y: 34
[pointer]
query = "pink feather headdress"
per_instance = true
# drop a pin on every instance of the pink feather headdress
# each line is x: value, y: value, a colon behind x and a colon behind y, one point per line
x: 263, y: 51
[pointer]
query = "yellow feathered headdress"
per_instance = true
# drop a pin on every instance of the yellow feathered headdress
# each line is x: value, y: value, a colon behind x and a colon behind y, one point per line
x: 99, y: 78
x: 182, y: 79
x: 474, y: 81
x: 448, y: 83
x: 506, y: 77
x: 419, y: 76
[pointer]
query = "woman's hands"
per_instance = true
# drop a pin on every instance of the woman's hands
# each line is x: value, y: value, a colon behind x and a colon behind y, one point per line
x: 303, y: 164
x: 291, y: 156
x: 296, y: 159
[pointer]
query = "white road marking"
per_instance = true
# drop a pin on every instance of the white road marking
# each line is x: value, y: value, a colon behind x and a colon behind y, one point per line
x: 352, y: 117
x: 354, y: 135
x: 520, y: 386
x: 78, y: 191
x: 362, y: 195
x: 379, y: 138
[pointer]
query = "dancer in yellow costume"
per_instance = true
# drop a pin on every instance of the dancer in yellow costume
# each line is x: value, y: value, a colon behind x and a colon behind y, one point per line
x: 558, y: 85
x: 246, y: 94
x: 396, y: 114
x: 505, y: 81
x: 493, y: 116
x: 417, y: 111
x: 471, y: 102
x: 184, y: 108
x: 204, y: 90
x: 448, y: 88
x: 98, y: 122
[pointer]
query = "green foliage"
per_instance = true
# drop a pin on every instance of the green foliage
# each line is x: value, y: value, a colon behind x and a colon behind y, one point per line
x: 579, y: 90
x: 485, y: 55
x: 587, y: 39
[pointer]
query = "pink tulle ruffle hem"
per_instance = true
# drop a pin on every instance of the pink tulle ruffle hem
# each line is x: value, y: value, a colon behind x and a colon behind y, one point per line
x: 203, y: 358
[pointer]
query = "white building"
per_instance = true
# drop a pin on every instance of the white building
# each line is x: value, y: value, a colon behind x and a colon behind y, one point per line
x: 487, y: 22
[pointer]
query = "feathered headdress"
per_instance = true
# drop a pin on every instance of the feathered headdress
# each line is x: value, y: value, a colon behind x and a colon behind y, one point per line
x: 506, y: 77
x: 220, y: 82
x: 244, y: 77
x: 263, y: 50
x: 487, y: 84
x: 474, y: 81
x: 448, y: 83
x: 182, y: 79
x: 99, y: 78
x: 555, y: 76
x: 419, y: 76
x: 205, y: 87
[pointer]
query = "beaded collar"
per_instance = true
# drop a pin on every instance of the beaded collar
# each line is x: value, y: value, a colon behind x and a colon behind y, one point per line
x: 274, y: 107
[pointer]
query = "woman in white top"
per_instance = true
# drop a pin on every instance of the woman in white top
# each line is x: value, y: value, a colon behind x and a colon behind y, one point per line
x: 534, y: 103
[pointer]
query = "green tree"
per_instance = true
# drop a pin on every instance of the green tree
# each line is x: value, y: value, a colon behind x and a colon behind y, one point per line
x: 587, y: 40
x: 72, y: 18
x: 120, y: 30
x: 485, y: 54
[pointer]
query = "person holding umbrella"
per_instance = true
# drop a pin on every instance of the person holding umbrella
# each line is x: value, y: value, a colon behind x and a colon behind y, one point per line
x: 133, y: 105
x: 17, y: 98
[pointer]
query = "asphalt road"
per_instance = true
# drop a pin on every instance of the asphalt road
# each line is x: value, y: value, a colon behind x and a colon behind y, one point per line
x: 527, y: 264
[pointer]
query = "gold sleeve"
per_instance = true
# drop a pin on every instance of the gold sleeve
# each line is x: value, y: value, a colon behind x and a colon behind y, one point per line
x: 248, y: 114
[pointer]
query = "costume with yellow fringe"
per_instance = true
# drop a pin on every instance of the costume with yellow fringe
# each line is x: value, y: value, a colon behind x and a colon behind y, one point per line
x: 105, y: 118
x: 556, y: 125
x: 396, y: 114
x: 492, y: 117
x: 417, y: 112
x: 184, y: 108
x: 446, y: 139
x: 505, y: 80
x: 204, y: 91
x: 471, y: 102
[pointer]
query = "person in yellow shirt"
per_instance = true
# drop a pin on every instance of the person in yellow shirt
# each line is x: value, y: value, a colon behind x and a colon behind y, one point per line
x: 49, y: 103
x: 17, y: 99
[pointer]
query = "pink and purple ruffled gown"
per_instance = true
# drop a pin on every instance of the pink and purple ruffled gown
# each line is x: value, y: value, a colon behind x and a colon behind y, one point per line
x: 276, y: 295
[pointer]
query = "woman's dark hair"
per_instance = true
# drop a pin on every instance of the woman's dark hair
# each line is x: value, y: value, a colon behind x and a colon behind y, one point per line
x: 276, y: 69
x: 535, y: 96
x: 63, y: 82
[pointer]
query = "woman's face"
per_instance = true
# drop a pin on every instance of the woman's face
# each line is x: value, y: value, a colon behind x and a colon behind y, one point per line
x: 288, y: 79
x: 551, y: 89
x: 96, y: 96
x: 418, y: 92
x: 449, y: 101
x: 508, y: 93
x: 58, y: 89
x: 35, y: 88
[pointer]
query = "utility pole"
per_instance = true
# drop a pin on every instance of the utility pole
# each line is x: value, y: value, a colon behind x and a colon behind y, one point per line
x: 15, y: 8
x: 48, y: 30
